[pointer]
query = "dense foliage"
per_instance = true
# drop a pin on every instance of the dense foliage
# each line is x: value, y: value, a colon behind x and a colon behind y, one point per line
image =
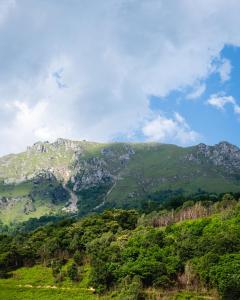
x: 129, y: 252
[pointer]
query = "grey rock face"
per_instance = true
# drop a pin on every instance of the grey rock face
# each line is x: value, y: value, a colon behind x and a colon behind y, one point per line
x: 67, y: 144
x: 223, y: 155
x: 3, y: 202
x: 107, y: 152
x: 38, y: 147
x: 100, y: 170
x: 8, y: 202
x: 28, y: 207
x: 90, y: 173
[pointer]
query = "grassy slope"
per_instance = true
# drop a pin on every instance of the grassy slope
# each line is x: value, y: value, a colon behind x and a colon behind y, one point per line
x: 154, y: 162
x: 154, y: 167
x: 42, y: 201
x: 14, y: 165
x: 23, y: 293
x: 27, y: 162
x: 37, y: 283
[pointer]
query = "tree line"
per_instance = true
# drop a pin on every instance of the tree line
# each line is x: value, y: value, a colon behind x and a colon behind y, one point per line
x: 195, y: 246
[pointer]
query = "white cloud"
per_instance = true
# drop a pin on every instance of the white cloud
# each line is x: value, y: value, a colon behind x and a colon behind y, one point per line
x: 31, y: 122
x: 197, y: 92
x: 110, y: 55
x: 225, y: 69
x: 237, y: 109
x: 175, y: 130
x: 220, y: 101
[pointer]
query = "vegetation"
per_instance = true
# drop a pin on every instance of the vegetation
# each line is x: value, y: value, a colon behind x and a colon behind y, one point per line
x: 125, y: 254
x: 145, y: 176
x: 31, y: 199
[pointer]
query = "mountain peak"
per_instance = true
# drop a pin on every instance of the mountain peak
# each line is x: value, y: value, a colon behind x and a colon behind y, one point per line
x: 224, y: 145
x: 45, y: 146
x: 221, y: 146
x: 38, y: 147
x: 57, y: 175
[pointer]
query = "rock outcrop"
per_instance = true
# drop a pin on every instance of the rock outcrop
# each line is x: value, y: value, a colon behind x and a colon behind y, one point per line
x: 223, y: 155
x: 57, y: 176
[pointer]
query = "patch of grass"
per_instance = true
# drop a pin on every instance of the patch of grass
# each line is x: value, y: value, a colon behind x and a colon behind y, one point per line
x: 192, y: 296
x: 18, y: 190
x: 46, y: 196
x: 15, y: 213
x: 40, y: 275
x: 153, y: 294
x: 24, y: 293
x: 36, y: 275
x: 38, y: 283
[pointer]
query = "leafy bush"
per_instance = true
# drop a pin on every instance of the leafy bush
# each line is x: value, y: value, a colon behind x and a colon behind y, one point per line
x: 131, y: 288
x: 73, y: 273
x: 225, y: 275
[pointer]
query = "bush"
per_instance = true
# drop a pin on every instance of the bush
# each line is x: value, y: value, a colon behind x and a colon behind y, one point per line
x: 162, y: 281
x: 56, y: 270
x: 72, y: 272
x: 131, y: 288
x: 226, y: 276
x: 78, y: 258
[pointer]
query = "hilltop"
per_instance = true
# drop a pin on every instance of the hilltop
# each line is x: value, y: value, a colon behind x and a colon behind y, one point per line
x: 79, y: 177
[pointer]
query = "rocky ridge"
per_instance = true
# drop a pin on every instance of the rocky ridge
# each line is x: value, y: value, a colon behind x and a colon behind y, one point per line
x: 119, y: 173
x: 223, y: 155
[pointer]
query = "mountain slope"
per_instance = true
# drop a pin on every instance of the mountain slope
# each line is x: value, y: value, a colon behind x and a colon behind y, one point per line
x: 78, y: 176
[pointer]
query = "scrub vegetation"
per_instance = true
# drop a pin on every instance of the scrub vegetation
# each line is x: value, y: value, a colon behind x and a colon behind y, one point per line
x: 186, y: 251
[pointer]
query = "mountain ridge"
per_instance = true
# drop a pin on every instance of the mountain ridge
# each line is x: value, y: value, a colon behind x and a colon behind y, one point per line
x: 81, y: 176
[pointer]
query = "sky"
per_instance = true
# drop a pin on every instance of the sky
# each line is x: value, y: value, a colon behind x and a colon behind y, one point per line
x: 119, y: 70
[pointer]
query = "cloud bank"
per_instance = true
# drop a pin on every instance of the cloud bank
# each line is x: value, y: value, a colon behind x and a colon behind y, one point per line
x: 86, y: 69
x: 174, y: 129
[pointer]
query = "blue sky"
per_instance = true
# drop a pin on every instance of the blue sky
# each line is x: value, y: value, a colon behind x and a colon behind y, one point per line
x: 213, y: 124
x: 119, y: 70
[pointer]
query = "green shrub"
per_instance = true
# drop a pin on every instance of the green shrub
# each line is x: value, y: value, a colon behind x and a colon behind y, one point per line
x: 78, y: 258
x: 73, y: 273
x: 131, y: 288
x: 225, y: 275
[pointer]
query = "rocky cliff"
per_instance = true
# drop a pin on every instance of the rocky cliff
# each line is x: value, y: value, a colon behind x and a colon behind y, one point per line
x: 79, y: 176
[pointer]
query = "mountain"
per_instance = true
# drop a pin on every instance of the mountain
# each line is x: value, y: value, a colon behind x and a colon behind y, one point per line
x: 79, y: 176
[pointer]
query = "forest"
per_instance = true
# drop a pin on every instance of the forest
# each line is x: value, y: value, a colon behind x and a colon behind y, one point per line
x: 128, y: 254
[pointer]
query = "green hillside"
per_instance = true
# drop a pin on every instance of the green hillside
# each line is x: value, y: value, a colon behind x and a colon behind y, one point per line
x: 162, y: 167
x: 80, y: 177
x: 190, y: 253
